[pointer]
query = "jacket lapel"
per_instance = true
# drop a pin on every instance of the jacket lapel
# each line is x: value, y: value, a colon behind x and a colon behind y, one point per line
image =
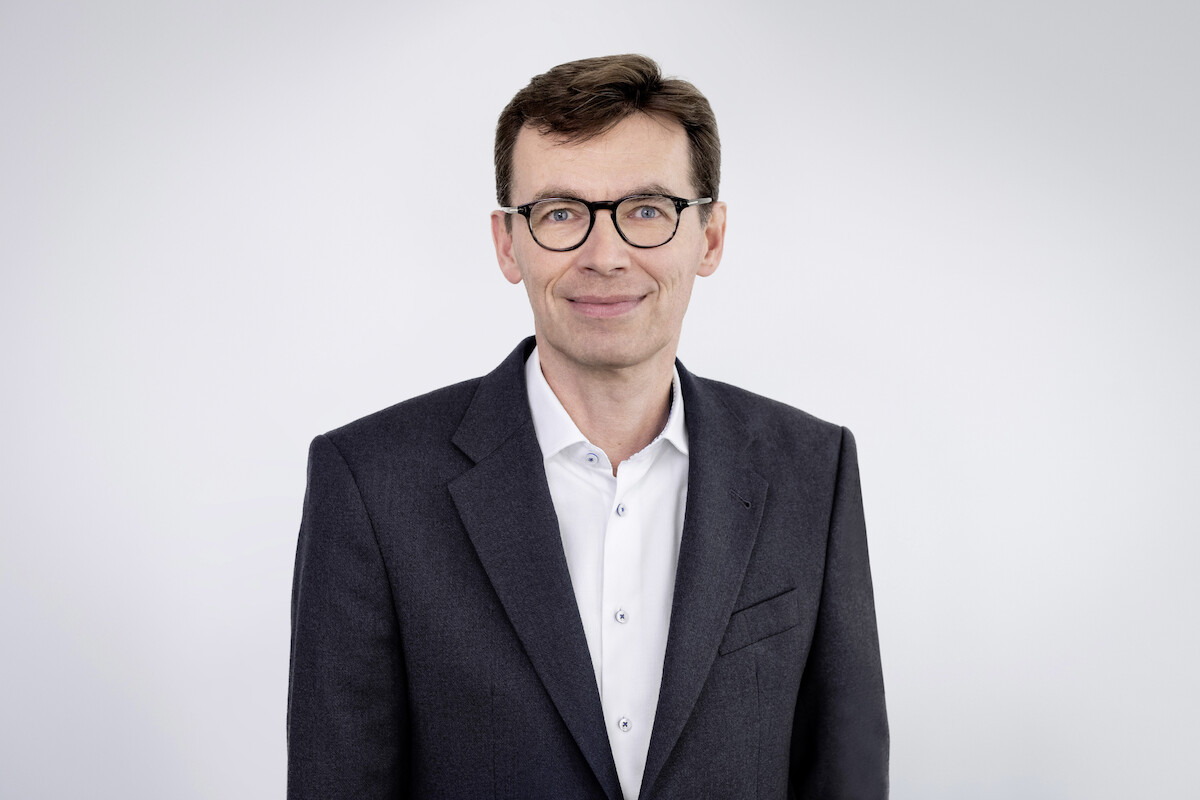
x: 505, y: 505
x: 724, y: 506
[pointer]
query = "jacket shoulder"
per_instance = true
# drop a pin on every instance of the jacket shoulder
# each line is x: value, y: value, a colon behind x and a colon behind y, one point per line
x: 777, y: 424
x: 418, y: 426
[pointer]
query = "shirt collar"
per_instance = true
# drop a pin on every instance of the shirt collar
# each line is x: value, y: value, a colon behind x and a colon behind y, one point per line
x: 556, y: 430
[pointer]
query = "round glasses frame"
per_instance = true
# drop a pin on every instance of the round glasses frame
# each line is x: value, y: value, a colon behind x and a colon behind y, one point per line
x: 604, y: 205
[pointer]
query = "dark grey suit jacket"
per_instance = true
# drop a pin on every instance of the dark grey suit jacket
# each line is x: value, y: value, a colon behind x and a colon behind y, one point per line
x: 437, y: 650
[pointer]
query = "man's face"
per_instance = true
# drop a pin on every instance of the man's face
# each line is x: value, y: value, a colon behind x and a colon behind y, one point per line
x: 608, y: 305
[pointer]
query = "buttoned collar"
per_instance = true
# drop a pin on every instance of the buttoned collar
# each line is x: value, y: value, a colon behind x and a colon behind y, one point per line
x: 556, y: 431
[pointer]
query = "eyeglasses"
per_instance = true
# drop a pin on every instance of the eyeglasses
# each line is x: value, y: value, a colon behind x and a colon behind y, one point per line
x: 642, y: 220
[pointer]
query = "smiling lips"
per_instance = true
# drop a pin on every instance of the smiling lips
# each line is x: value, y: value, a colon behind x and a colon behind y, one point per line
x: 604, y: 307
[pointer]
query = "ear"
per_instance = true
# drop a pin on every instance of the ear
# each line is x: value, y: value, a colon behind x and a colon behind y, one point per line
x: 503, y: 239
x: 714, y: 241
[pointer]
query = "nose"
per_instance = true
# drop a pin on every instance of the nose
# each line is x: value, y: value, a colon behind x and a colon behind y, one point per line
x: 604, y: 251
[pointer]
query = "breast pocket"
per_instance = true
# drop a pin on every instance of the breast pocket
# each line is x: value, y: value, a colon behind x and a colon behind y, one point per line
x: 761, y: 620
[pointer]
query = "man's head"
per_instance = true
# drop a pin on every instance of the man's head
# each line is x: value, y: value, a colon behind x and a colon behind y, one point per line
x: 579, y: 100
x: 598, y: 131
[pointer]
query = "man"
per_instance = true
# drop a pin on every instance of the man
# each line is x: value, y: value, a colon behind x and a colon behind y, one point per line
x: 589, y: 574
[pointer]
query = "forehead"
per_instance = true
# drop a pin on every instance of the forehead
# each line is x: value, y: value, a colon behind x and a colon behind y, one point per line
x: 638, y: 153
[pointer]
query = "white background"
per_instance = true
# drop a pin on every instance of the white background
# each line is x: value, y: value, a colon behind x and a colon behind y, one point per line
x: 969, y: 231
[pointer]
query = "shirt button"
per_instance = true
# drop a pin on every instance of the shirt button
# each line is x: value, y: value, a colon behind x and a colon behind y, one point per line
x: 622, y: 616
x: 592, y: 458
x: 620, y: 509
x: 624, y: 724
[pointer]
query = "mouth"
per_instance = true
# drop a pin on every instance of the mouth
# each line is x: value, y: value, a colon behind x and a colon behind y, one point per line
x: 605, y: 307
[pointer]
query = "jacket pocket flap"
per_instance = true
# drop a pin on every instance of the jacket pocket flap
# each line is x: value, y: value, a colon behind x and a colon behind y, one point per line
x: 763, y: 619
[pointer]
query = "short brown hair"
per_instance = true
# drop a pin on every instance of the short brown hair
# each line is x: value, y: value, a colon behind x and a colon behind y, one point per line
x: 582, y: 99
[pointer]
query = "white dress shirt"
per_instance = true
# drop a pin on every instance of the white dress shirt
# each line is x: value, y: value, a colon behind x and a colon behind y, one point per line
x: 621, y: 537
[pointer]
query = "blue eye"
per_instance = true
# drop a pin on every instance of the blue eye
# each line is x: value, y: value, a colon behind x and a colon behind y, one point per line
x: 647, y: 212
x: 559, y: 212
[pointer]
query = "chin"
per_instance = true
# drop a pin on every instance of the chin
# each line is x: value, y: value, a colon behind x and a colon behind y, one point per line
x: 618, y: 347
x: 610, y: 353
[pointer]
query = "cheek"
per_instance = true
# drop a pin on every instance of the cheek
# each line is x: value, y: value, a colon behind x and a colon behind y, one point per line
x: 680, y: 269
x: 678, y: 274
x: 539, y: 278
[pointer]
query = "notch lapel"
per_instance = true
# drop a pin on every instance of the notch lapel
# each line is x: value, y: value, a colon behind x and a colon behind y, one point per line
x: 724, y: 507
x: 504, y: 503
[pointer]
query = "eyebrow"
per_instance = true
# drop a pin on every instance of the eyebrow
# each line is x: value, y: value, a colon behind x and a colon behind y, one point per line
x: 562, y: 191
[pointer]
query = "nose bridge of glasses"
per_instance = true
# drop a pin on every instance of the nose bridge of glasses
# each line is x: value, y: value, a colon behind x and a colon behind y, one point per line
x: 608, y: 235
x: 593, y: 207
x: 606, y: 205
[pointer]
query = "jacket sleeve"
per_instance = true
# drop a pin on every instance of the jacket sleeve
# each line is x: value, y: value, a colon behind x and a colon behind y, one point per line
x: 840, y: 735
x: 347, y: 716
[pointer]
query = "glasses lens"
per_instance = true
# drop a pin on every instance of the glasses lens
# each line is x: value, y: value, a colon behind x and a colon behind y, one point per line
x: 559, y: 224
x: 648, y: 220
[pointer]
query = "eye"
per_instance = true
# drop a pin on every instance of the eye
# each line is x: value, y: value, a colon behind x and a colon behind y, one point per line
x: 558, y: 213
x: 647, y: 209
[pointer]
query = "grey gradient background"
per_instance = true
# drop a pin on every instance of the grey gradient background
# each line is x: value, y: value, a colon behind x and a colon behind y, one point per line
x: 969, y: 231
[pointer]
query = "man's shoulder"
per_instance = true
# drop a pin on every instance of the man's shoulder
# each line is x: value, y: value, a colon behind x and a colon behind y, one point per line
x: 772, y: 422
x: 443, y: 426
x: 417, y: 423
x: 756, y: 409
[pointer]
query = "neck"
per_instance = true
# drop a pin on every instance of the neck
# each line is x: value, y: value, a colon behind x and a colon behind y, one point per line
x: 620, y: 410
